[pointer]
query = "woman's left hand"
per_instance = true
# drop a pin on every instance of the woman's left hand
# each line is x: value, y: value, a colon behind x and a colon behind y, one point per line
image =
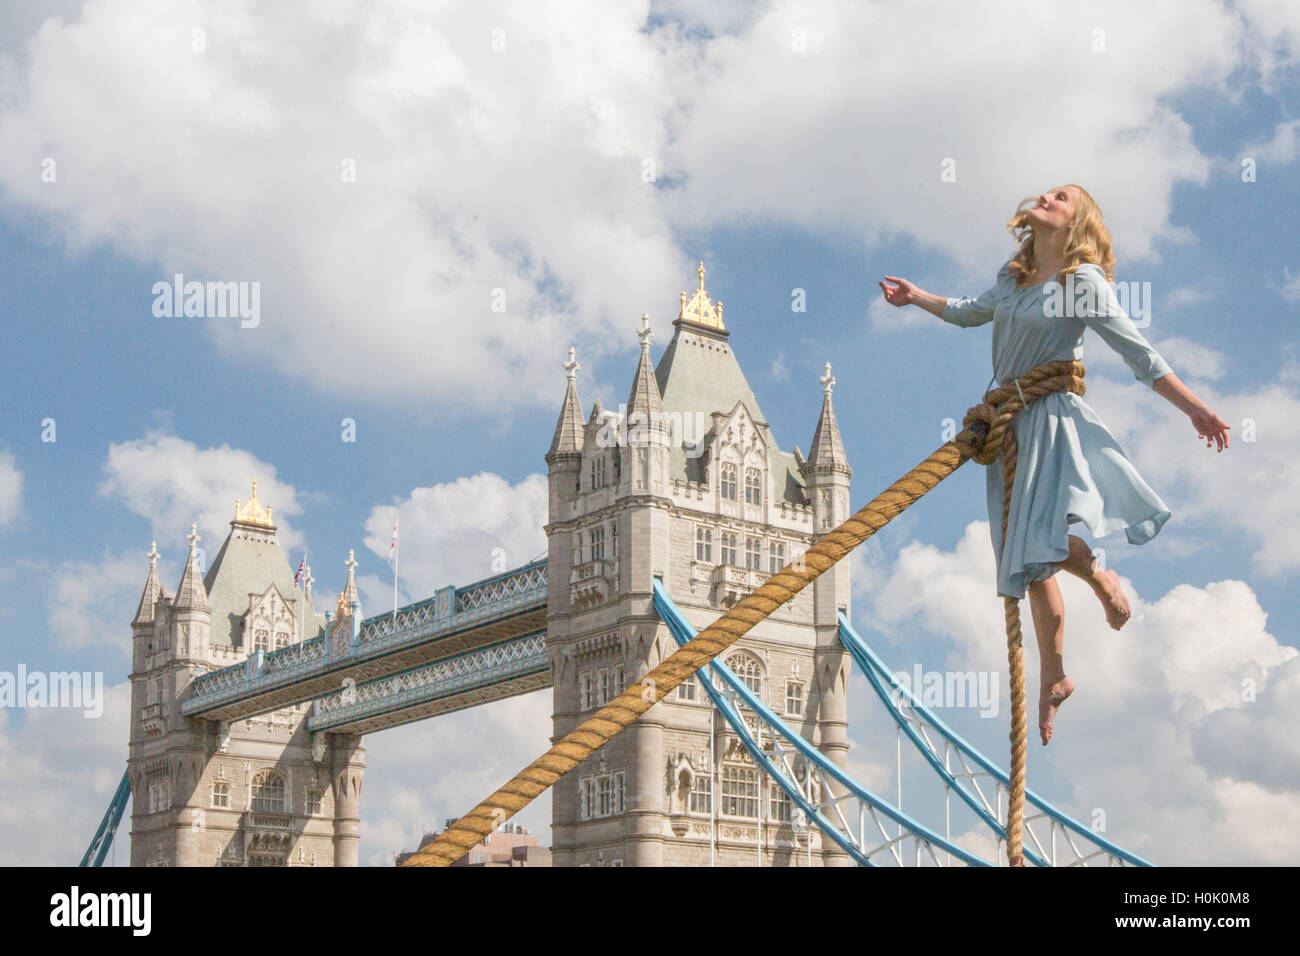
x: 1210, y: 427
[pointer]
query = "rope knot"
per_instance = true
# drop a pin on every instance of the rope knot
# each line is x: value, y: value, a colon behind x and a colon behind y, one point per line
x: 985, y: 425
x: 979, y: 443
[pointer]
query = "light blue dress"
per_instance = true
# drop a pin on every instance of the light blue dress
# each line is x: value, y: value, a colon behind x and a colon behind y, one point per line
x: 1070, y: 468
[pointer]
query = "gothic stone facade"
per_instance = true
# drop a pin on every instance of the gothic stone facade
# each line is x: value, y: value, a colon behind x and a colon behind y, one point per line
x: 255, y: 792
x: 687, y: 483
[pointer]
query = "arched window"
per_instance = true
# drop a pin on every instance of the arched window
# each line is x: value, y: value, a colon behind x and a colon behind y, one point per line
x: 728, y: 475
x: 775, y: 556
x: 703, y: 544
x: 753, y: 487
x: 729, y: 539
x: 281, y: 639
x: 739, y: 791
x: 748, y: 669
x: 261, y: 639
x: 268, y: 792
x: 598, y: 472
x: 753, y: 553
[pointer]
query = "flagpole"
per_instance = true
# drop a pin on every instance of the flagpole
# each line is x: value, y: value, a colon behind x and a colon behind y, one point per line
x: 302, y: 615
x: 396, y: 556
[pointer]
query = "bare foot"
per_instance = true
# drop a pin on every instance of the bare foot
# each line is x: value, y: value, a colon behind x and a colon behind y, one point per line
x: 1049, y: 699
x: 1106, y: 584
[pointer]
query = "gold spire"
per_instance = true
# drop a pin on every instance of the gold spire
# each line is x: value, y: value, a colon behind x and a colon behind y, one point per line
x: 699, y: 309
x: 254, y: 513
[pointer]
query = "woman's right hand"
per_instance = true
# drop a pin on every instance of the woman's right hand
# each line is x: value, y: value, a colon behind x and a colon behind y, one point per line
x: 902, y: 293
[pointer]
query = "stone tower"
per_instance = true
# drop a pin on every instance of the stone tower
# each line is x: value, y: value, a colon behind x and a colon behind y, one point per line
x: 255, y: 792
x: 686, y: 482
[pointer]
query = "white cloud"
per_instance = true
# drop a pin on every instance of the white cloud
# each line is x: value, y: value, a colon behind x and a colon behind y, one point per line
x: 481, y: 177
x: 61, y: 769
x: 838, y: 129
x: 421, y: 775
x: 1273, y: 34
x: 1190, y: 359
x: 1246, y: 490
x: 522, y: 170
x: 91, y: 603
x: 780, y: 372
x: 1291, y: 288
x: 172, y: 483
x: 1281, y: 149
x: 1156, y: 733
x: 11, y: 489
x: 458, y: 532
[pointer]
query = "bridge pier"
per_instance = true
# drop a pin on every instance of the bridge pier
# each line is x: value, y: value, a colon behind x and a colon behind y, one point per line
x: 646, y: 840
x: 349, y: 766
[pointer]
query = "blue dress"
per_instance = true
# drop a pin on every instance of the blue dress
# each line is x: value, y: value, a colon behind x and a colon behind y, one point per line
x: 1070, y: 468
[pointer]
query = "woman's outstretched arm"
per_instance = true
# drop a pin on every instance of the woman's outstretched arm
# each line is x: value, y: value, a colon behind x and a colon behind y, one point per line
x: 1208, y: 425
x: 907, y: 293
x: 964, y: 311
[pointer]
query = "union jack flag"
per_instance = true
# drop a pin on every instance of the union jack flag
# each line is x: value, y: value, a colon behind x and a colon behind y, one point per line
x: 297, y: 577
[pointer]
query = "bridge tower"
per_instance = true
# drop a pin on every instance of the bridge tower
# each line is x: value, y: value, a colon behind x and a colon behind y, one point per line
x: 256, y: 792
x: 686, y: 482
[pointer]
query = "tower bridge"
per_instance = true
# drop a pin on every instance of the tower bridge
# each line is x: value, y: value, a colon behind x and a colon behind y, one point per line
x: 249, y: 708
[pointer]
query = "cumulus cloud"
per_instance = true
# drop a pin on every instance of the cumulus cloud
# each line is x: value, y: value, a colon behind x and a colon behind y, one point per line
x: 1191, y: 359
x: 91, y: 603
x: 833, y: 139
x: 434, y: 202
x: 1247, y: 489
x: 1157, y: 734
x: 11, y: 489
x: 61, y: 769
x: 437, y: 202
x: 458, y: 532
x: 421, y: 775
x: 171, y: 483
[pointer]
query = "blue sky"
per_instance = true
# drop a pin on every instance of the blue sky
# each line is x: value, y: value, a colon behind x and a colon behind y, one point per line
x: 784, y: 158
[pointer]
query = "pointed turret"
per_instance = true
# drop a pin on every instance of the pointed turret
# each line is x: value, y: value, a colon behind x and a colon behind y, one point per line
x: 350, y: 599
x: 645, y: 404
x: 827, y: 450
x: 191, y: 595
x: 144, y: 613
x: 568, y: 429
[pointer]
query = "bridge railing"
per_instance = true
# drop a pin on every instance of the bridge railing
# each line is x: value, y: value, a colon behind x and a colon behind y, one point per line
x: 482, y: 666
x: 450, y: 609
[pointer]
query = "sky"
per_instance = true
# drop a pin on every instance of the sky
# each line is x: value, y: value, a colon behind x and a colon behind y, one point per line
x: 434, y: 202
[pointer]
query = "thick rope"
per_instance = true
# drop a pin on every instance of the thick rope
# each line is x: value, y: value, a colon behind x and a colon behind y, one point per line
x: 615, y: 717
x: 999, y: 407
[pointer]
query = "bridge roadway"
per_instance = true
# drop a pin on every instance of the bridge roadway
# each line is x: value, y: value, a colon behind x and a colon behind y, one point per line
x: 462, y: 647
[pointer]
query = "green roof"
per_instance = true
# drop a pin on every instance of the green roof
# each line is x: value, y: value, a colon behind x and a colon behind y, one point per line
x: 244, y: 566
x: 700, y: 375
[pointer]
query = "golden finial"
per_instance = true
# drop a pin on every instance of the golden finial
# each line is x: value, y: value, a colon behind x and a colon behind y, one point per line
x: 344, y: 607
x: 699, y: 309
x: 253, y: 513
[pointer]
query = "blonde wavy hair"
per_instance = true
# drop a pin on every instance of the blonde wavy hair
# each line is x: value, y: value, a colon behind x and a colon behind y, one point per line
x: 1089, y: 239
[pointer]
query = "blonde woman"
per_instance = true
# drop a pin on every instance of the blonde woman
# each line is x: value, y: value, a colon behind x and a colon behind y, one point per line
x: 1069, y: 468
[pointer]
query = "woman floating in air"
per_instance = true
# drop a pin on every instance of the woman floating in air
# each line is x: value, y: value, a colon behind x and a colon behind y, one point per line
x: 1069, y: 467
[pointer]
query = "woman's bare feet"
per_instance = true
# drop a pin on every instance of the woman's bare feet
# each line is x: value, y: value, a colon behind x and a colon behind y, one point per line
x: 1107, y: 587
x: 1049, y: 699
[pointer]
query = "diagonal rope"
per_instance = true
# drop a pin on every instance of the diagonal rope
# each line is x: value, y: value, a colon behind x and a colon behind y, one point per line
x: 987, y: 426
